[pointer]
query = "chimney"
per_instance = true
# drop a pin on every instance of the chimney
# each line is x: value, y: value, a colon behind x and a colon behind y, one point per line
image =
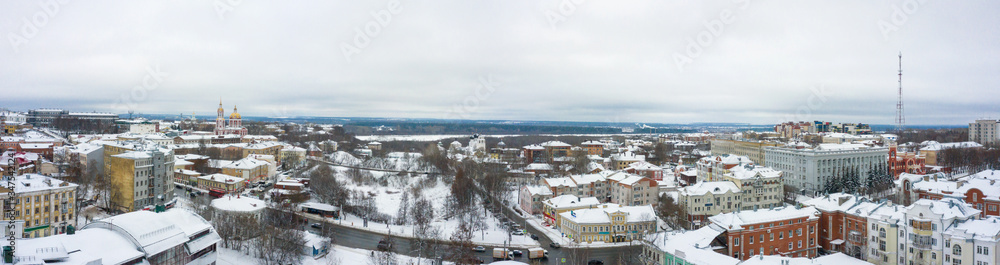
x: 842, y: 200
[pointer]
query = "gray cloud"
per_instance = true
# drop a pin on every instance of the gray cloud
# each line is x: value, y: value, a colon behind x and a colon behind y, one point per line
x: 600, y: 61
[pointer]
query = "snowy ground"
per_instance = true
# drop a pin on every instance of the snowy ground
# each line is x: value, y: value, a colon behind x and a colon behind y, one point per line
x: 388, y: 200
x: 338, y: 255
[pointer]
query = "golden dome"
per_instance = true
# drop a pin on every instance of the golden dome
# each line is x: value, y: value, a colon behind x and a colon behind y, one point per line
x: 235, y: 115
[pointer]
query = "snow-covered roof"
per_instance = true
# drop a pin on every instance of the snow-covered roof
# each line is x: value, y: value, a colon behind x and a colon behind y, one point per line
x: 936, y: 146
x: 948, y: 208
x: 751, y: 171
x: 836, y: 258
x: 693, y: 246
x: 152, y: 232
x: 559, y: 182
x: 246, y: 163
x: 219, y: 177
x: 80, y: 248
x: 844, y: 146
x: 35, y: 182
x: 705, y: 187
x: 570, y: 201
x: 625, y: 178
x: 538, y: 190
x: 601, y: 214
x: 538, y: 166
x: 190, y: 157
x: 736, y: 220
x: 319, y: 206
x: 555, y: 144
x: 238, y: 204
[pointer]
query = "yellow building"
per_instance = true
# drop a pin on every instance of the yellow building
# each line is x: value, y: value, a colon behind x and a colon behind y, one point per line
x: 222, y: 182
x: 748, y: 148
x: 46, y: 205
x: 248, y: 168
x: 609, y: 223
x: 140, y: 179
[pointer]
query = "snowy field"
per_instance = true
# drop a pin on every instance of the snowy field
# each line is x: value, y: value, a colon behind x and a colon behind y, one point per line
x: 388, y: 200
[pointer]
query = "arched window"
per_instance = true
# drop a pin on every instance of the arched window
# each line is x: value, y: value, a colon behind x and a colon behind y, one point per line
x: 956, y: 250
x: 881, y: 232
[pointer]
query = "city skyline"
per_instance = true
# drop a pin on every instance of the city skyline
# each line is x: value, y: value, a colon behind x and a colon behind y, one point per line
x: 687, y: 62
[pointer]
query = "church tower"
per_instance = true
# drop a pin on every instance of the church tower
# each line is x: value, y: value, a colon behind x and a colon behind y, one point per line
x: 235, y: 121
x: 220, y: 120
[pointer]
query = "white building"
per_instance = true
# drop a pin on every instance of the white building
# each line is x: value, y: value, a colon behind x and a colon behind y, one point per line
x: 708, y: 198
x: 176, y: 236
x: 984, y: 131
x: 809, y: 169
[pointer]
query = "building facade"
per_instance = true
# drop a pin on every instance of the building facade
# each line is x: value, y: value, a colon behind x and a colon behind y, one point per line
x: 787, y: 231
x: 985, y: 132
x: 608, y: 223
x: 751, y: 149
x: 46, y: 205
x: 810, y: 169
x: 140, y: 179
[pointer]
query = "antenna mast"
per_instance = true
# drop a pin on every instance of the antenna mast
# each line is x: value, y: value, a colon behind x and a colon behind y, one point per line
x: 900, y: 120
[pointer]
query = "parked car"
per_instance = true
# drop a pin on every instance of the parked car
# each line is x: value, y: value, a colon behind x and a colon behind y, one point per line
x: 316, y: 225
x: 516, y: 253
x: 595, y: 262
x: 554, y: 245
x: 518, y: 233
x: 479, y: 249
x: 534, y: 236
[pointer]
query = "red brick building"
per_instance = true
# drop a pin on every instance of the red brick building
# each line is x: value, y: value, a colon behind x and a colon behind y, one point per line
x: 981, y: 190
x: 786, y: 231
x: 843, y: 222
x: 905, y: 162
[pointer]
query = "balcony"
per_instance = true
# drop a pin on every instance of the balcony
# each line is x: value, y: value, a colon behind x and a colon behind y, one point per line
x: 922, y: 242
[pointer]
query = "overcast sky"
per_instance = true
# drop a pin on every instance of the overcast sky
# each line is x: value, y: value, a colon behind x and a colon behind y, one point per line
x: 605, y: 61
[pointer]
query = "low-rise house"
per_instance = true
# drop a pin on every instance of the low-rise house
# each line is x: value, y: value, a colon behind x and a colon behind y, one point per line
x: 608, y: 223
x: 222, y: 182
x: 530, y: 198
x: 708, y: 198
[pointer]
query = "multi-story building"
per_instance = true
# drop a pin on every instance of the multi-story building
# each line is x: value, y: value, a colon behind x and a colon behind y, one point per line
x: 843, y: 226
x: 633, y: 190
x: 551, y: 208
x: 294, y: 153
x: 888, y: 235
x: 140, y: 179
x: 47, y: 206
x: 786, y: 231
x: 762, y: 187
x: 972, y: 241
x: 792, y: 129
x: 925, y: 224
x: 594, y: 148
x: 708, y: 198
x: 530, y: 198
x: 750, y: 149
x: 608, y: 223
x: 985, y: 132
x: 44, y: 117
x: 851, y: 128
x: 810, y: 169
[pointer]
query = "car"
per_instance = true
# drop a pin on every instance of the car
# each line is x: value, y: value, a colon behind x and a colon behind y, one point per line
x: 554, y: 245
x: 516, y: 253
x: 518, y: 233
x: 479, y: 249
x: 384, y: 245
x: 534, y: 236
x: 595, y: 262
x: 316, y: 225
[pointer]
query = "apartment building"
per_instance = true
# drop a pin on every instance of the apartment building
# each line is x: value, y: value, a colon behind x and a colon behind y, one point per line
x: 140, y: 178
x: 632, y: 190
x: 46, y: 205
x: 786, y: 231
x: 551, y: 208
x: 985, y: 132
x: 708, y: 198
x: 980, y: 190
x: 762, y: 187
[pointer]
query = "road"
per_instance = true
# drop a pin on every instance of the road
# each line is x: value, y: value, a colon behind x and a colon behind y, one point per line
x: 362, y: 239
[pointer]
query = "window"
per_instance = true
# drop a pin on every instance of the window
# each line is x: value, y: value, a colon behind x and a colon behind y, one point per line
x: 956, y: 250
x: 789, y: 245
